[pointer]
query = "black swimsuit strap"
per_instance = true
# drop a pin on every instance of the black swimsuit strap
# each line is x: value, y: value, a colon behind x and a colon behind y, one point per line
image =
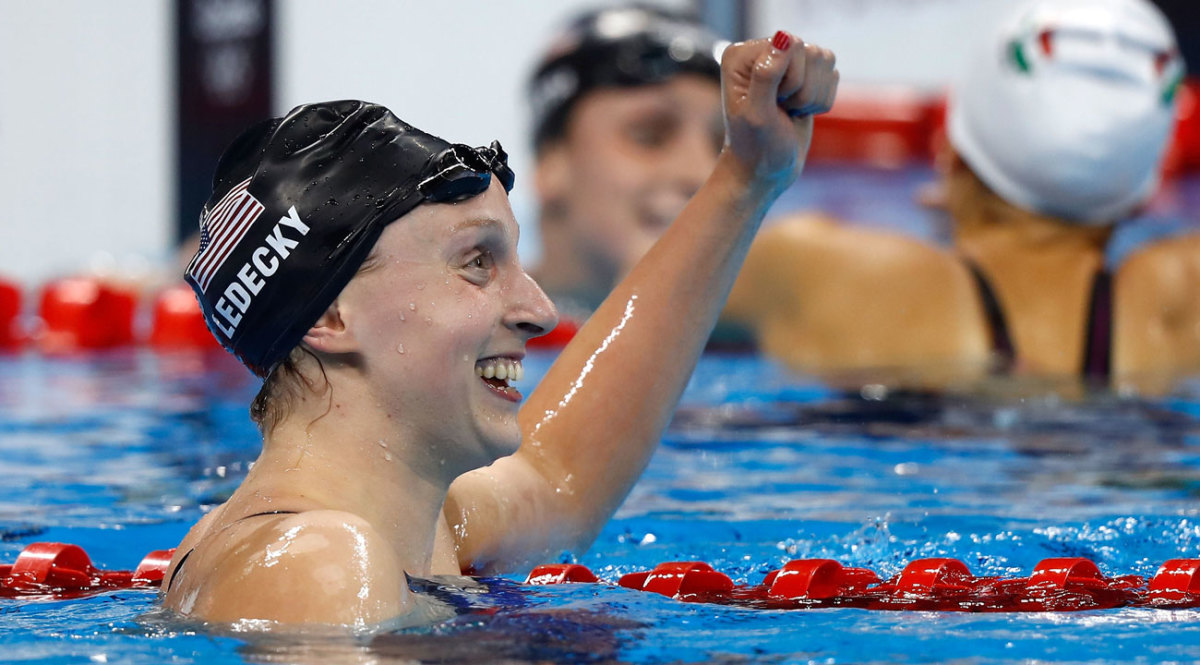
x: 269, y: 512
x: 178, y: 567
x: 1003, y: 350
x: 184, y: 558
x: 1097, y: 353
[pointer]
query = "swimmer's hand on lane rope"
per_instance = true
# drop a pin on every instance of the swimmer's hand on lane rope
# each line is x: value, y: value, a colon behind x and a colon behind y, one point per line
x: 772, y: 88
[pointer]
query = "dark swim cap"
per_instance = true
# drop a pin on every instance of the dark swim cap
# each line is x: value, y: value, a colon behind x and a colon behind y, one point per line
x: 617, y: 47
x: 297, y: 204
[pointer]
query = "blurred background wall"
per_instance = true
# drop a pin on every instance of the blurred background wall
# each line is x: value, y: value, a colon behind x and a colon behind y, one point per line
x: 90, y: 143
x: 85, y: 134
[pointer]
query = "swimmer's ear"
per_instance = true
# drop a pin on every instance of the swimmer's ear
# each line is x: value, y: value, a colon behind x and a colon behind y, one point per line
x: 330, y: 334
x: 552, y: 177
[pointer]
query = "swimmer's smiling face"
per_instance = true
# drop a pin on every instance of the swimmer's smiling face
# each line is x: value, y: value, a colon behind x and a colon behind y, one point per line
x: 440, y: 311
x: 628, y: 163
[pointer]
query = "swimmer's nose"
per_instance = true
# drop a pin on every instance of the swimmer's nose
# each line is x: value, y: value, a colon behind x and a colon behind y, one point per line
x: 531, y: 313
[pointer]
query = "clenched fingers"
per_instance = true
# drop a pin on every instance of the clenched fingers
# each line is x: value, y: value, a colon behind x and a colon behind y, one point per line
x: 809, y: 84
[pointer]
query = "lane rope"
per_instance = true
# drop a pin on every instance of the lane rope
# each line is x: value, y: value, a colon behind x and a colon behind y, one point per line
x: 1057, y: 584
x: 61, y: 570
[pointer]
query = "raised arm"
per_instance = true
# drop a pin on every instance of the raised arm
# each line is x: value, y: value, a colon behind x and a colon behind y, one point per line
x: 592, y: 424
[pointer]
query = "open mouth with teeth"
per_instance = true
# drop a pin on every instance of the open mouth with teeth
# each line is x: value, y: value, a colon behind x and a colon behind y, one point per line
x: 497, y: 372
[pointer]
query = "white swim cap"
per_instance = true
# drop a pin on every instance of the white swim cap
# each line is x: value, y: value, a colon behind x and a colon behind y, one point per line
x: 1066, y: 109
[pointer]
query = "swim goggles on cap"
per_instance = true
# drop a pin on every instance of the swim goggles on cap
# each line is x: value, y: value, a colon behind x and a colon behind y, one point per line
x: 461, y: 171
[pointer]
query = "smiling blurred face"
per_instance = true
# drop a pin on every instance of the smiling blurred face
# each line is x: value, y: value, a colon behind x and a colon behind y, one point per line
x: 629, y: 161
x: 441, y: 312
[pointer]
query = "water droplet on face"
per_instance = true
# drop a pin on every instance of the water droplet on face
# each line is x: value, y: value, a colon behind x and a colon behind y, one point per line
x: 400, y: 349
x: 412, y: 306
x: 401, y: 316
x: 428, y: 321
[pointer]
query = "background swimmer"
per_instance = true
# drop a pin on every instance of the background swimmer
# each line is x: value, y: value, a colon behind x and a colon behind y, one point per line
x: 626, y: 120
x: 390, y: 430
x: 1055, y: 135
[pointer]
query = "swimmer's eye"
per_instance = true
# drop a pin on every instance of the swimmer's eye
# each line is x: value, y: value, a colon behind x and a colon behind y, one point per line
x: 658, y: 131
x: 654, y: 131
x: 480, y: 264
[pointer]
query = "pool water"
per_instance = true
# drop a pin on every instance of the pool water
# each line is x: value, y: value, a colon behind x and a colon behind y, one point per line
x: 122, y: 453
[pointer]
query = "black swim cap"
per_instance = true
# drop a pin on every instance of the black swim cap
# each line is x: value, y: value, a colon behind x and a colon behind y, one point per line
x: 297, y: 204
x: 616, y: 47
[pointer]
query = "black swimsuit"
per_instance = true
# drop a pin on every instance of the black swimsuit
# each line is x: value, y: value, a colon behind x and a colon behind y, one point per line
x: 1096, y: 365
x: 183, y: 559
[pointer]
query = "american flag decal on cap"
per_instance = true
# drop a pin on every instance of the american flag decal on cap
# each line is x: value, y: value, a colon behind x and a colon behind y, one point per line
x: 221, y: 230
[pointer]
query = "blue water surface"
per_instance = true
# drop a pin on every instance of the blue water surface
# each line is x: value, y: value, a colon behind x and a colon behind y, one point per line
x: 122, y: 453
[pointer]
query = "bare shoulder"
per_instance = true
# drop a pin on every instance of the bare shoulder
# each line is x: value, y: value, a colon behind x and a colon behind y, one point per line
x: 1157, y: 297
x: 315, y: 567
x: 797, y: 257
x: 1172, y: 265
x: 195, y: 535
x: 823, y: 295
x: 1160, y: 283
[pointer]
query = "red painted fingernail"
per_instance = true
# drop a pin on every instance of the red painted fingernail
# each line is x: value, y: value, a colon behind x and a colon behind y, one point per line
x: 781, y: 40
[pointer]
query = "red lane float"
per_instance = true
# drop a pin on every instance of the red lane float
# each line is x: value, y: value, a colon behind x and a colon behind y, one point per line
x: 11, y: 336
x: 1176, y: 581
x: 178, y: 322
x: 1183, y: 152
x: 686, y: 580
x: 556, y: 338
x: 561, y: 573
x: 60, y: 570
x: 1056, y: 585
x: 83, y: 314
x: 817, y: 578
x: 886, y: 127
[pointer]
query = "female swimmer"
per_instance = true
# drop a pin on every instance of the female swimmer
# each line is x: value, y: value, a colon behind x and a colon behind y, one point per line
x: 368, y: 271
x: 626, y: 116
x: 1055, y: 134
